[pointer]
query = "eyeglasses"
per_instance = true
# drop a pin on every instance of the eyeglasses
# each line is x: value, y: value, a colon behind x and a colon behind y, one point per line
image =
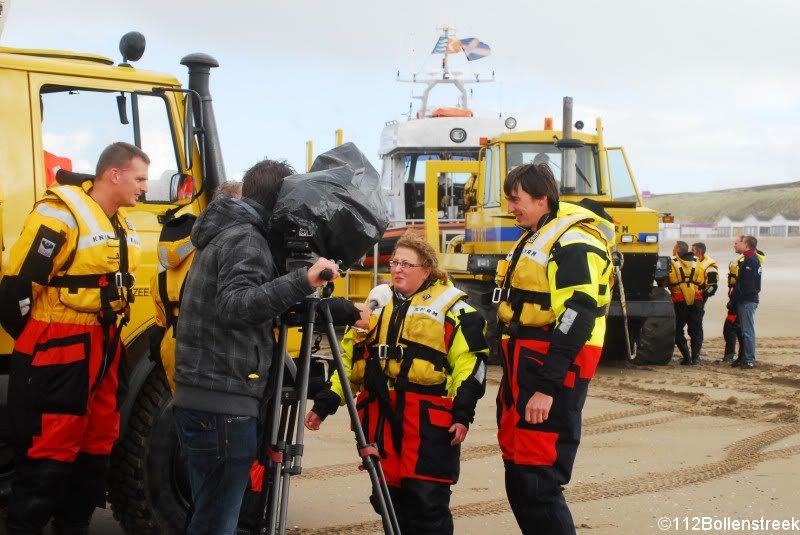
x: 393, y: 263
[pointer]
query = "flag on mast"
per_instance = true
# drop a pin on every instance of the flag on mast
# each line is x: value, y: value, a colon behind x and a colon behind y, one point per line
x: 440, y: 46
x: 474, y: 48
x: 446, y: 45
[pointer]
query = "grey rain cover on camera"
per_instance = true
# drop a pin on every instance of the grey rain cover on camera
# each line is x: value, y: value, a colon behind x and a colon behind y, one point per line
x: 338, y: 201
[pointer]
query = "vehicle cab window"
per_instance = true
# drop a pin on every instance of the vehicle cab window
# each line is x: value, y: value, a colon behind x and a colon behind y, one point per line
x: 587, y: 175
x: 622, y: 188
x: 78, y: 123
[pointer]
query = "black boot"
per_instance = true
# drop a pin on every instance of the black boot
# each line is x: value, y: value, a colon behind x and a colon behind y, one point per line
x: 683, y: 347
x: 35, y: 494
x: 696, y: 347
x: 85, y: 490
x: 685, y: 361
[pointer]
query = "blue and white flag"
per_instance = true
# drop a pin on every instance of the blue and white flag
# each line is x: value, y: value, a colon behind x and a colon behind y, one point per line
x: 441, y: 45
x: 474, y: 48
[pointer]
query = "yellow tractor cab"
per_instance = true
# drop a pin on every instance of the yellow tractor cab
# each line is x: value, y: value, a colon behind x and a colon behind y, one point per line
x: 645, y: 314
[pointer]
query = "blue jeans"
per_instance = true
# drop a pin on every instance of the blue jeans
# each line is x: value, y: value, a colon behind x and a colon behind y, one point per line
x: 220, y: 449
x: 747, y: 318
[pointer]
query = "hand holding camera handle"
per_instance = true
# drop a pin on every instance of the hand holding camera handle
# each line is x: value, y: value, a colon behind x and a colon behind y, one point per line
x: 322, y: 271
x: 327, y: 273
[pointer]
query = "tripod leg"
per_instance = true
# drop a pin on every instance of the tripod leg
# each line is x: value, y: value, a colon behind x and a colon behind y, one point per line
x: 371, y: 460
x: 272, y: 457
x: 294, y: 441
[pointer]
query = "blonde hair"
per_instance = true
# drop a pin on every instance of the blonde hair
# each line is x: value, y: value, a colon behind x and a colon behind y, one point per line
x: 426, y: 253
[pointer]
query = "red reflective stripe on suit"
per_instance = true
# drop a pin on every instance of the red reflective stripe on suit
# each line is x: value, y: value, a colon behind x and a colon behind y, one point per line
x: 71, y: 412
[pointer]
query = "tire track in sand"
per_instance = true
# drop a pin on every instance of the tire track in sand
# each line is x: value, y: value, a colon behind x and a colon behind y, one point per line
x: 741, y: 455
x: 591, y: 427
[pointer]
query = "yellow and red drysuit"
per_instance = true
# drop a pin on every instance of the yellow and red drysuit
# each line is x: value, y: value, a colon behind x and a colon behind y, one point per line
x: 687, y: 283
x: 710, y: 276
x: 175, y: 255
x: 419, y: 368
x: 553, y: 291
x: 68, y: 280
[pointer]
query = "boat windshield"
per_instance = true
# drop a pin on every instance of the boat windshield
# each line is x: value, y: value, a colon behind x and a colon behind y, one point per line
x: 410, y: 171
x: 415, y: 164
x: 588, y: 177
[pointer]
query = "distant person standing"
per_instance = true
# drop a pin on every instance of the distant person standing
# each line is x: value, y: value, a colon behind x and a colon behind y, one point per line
x: 731, y: 329
x: 707, y: 289
x: 744, y: 300
x: 685, y: 281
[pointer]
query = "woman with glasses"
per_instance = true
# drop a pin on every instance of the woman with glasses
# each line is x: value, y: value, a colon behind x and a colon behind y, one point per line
x: 419, y: 370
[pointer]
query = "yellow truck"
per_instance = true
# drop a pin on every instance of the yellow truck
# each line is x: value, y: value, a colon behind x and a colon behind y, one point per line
x: 58, y: 109
x: 645, y: 313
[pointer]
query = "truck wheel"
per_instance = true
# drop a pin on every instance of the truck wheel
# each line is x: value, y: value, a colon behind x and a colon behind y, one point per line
x: 148, y: 485
x: 475, y: 291
x: 656, y: 340
x: 614, y: 348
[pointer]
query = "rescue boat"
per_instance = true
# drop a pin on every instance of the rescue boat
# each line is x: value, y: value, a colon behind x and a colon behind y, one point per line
x: 432, y: 133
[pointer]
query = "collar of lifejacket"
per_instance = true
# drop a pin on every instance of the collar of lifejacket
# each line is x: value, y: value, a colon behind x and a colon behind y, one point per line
x: 400, y: 297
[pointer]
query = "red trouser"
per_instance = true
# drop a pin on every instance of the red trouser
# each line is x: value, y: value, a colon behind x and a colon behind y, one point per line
x: 539, y: 457
x: 62, y: 397
x: 417, y: 459
x: 425, y: 451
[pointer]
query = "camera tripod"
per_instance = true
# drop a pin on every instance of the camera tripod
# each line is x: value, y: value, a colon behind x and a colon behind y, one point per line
x: 282, y: 449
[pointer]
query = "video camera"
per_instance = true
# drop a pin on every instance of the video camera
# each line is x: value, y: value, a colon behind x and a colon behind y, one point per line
x: 335, y: 210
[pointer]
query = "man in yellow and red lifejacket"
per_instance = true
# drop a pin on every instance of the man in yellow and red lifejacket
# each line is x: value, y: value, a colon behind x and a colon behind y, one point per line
x: 686, y: 280
x: 553, y: 292
x: 65, y: 297
x: 707, y: 290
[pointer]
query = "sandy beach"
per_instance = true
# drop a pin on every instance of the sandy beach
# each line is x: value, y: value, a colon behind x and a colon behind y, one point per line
x: 665, y: 448
x: 663, y: 442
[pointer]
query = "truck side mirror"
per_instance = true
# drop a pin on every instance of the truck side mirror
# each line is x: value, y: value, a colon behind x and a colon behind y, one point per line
x: 188, y: 132
x: 181, y: 187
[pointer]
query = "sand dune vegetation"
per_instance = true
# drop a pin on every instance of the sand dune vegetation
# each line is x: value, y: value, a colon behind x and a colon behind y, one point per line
x: 763, y: 202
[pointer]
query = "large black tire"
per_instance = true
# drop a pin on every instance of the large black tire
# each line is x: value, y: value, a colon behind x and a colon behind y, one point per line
x: 475, y: 291
x: 148, y: 484
x: 614, y: 347
x: 655, y: 341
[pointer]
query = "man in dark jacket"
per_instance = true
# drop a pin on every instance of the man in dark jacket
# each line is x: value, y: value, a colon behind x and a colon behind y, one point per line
x: 224, y: 343
x: 745, y: 298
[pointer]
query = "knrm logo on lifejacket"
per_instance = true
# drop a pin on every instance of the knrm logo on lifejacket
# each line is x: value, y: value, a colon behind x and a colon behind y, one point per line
x: 46, y: 247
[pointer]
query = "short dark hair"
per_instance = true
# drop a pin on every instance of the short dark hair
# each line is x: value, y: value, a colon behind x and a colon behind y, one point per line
x: 700, y: 246
x: 536, y: 179
x: 750, y: 241
x: 118, y: 155
x: 262, y: 182
x: 683, y: 247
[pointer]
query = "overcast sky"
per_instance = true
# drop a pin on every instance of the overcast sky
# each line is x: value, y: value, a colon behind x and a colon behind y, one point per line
x: 702, y: 94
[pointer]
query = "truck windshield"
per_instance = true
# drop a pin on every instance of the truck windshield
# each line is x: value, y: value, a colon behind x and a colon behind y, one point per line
x: 78, y: 123
x: 588, y: 178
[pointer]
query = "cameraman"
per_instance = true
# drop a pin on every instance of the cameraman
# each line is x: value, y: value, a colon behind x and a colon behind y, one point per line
x: 224, y: 343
